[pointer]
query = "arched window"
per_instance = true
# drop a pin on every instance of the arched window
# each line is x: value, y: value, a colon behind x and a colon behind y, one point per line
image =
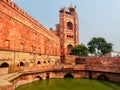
x: 48, y: 61
x: 44, y: 62
x: 38, y: 62
x: 4, y: 65
x: 21, y: 46
x: 21, y: 64
x: 7, y: 43
x: 69, y: 47
x: 70, y: 26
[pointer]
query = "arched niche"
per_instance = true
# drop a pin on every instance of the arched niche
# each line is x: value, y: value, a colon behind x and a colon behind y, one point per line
x: 70, y: 25
x: 69, y: 47
x: 38, y: 62
x: 103, y: 77
x: 4, y: 68
x: 4, y: 65
x: 22, y: 64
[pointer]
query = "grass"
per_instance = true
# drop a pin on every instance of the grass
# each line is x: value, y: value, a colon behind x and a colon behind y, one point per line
x: 70, y: 84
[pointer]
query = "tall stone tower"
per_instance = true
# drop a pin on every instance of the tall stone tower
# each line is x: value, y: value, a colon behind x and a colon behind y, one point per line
x: 67, y: 30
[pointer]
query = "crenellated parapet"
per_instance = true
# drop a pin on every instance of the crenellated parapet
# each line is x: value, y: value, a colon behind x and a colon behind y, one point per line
x: 23, y: 13
x: 17, y: 8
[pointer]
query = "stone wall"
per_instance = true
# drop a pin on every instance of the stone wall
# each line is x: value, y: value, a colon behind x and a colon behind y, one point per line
x: 19, y: 61
x: 102, y: 64
x: 24, y: 41
x: 20, y: 32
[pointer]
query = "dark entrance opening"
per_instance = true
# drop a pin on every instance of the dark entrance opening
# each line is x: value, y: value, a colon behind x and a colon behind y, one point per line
x: 103, y: 77
x: 38, y: 77
x: 21, y: 64
x: 47, y: 76
x: 4, y: 65
x: 90, y: 75
x: 68, y: 75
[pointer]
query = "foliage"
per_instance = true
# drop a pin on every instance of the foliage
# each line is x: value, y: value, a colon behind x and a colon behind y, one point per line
x: 99, y: 46
x: 80, y: 50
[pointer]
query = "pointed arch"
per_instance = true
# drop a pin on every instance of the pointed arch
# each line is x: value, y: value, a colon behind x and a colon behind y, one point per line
x: 103, y: 77
x: 22, y: 64
x: 69, y: 47
x: 70, y: 25
x: 68, y: 75
x: 38, y: 62
x: 4, y: 65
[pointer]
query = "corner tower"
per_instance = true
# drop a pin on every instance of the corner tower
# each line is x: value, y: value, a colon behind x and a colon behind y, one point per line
x: 67, y: 30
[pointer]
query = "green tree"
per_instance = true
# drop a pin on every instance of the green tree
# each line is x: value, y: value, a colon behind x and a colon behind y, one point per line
x: 80, y: 50
x: 99, y: 46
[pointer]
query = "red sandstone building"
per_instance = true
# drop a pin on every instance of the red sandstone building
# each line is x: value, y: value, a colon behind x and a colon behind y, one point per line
x: 25, y: 42
x: 30, y: 52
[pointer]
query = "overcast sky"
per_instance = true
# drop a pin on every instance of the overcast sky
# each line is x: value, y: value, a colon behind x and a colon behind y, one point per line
x: 97, y: 18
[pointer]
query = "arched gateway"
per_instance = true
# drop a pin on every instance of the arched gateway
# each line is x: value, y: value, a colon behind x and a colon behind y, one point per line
x: 4, y: 65
x: 69, y: 47
x: 103, y: 77
x: 68, y: 75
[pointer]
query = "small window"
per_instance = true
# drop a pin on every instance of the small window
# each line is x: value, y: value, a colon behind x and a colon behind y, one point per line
x: 44, y: 62
x: 69, y: 47
x: 4, y: 65
x: 21, y: 64
x: 31, y: 48
x: 48, y: 61
x: 7, y: 43
x: 70, y: 26
x: 70, y: 36
x: 21, y: 46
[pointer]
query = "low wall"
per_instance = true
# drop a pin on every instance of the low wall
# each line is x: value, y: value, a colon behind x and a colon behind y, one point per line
x: 4, y: 85
x: 31, y: 77
x: 89, y: 68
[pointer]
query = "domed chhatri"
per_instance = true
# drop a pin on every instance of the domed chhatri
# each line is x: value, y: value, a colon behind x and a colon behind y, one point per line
x: 72, y: 8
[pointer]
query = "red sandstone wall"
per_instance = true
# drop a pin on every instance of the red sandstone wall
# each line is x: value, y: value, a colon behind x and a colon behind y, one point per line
x: 103, y: 64
x: 20, y: 32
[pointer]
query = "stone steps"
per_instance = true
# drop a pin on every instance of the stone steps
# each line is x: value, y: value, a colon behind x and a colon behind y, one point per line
x: 10, y: 77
